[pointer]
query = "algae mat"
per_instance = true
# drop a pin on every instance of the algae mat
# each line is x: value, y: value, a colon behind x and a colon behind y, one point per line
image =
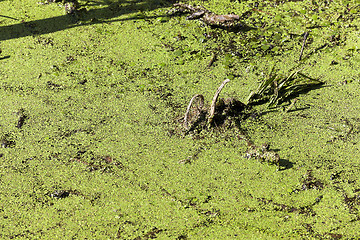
x: 91, y: 142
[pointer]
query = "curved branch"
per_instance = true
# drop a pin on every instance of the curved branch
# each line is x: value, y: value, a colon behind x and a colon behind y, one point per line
x: 213, y: 103
x: 186, y: 118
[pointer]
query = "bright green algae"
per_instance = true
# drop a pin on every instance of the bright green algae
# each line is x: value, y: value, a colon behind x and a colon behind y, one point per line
x: 100, y: 154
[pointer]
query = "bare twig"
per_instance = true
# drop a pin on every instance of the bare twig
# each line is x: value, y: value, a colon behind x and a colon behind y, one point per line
x: 213, y: 103
x: 306, y: 34
x: 291, y: 105
x: 201, y: 105
x: 9, y: 17
x: 212, y: 60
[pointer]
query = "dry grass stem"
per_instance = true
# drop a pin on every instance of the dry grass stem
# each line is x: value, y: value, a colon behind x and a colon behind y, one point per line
x: 291, y: 105
x: 306, y: 34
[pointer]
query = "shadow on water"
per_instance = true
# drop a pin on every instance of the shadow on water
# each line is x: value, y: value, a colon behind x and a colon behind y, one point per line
x: 5, y: 57
x: 285, y: 164
x: 82, y: 17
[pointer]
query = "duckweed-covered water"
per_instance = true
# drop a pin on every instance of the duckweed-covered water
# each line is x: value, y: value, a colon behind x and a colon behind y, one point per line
x: 92, y: 145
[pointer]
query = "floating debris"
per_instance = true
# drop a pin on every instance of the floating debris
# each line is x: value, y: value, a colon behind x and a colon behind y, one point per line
x: 22, y: 118
x: 263, y: 153
x: 221, y: 112
x: 230, y: 22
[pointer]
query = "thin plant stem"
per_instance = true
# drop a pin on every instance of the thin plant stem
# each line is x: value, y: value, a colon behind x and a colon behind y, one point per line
x: 306, y: 34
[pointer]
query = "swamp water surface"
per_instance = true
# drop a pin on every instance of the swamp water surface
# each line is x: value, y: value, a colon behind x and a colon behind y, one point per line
x: 92, y: 140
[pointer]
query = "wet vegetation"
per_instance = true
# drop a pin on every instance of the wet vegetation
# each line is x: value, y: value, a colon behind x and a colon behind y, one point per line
x: 278, y: 88
x: 179, y: 120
